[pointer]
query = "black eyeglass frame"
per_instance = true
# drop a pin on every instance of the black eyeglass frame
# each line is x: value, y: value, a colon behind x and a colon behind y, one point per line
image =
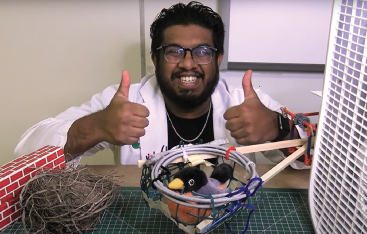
x: 163, y: 47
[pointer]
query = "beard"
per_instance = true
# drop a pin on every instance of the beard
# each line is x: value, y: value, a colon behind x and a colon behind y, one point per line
x: 185, y: 99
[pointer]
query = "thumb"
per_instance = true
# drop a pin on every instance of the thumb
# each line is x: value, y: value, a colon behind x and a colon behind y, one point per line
x: 247, y: 85
x: 123, y: 89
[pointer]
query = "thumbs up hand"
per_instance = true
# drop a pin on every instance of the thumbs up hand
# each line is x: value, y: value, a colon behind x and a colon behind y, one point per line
x: 122, y: 122
x: 251, y: 122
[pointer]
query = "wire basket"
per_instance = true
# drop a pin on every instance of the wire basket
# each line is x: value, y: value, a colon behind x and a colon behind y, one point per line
x: 197, y: 213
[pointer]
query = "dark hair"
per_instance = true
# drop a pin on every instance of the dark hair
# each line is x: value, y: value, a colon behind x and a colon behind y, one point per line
x: 192, y: 13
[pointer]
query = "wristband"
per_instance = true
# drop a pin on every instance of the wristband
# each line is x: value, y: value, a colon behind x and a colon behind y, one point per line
x: 283, y: 127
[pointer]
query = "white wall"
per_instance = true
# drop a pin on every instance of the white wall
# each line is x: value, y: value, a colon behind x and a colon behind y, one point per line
x: 56, y: 54
x: 280, y: 31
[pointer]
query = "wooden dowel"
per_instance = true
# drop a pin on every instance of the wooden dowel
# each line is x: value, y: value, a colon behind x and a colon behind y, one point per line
x: 283, y: 164
x: 271, y: 146
x: 202, y: 225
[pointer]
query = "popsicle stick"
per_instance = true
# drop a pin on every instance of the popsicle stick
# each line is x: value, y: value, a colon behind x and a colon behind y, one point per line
x: 283, y: 164
x: 271, y: 146
x: 203, y: 225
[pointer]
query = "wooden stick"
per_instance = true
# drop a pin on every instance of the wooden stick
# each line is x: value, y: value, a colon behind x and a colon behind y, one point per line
x: 283, y: 164
x: 271, y: 146
x: 194, y: 158
x: 202, y: 225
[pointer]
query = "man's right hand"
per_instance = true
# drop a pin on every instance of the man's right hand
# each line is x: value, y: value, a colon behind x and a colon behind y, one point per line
x: 123, y: 122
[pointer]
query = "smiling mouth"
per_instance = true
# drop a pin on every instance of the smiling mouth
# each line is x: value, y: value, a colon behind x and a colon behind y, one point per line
x: 188, y: 79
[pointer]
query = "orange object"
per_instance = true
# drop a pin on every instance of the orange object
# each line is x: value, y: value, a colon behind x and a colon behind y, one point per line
x: 291, y: 150
x: 308, y: 160
x: 183, y: 213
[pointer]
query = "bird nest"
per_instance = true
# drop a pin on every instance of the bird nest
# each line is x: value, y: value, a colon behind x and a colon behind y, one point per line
x: 194, y: 212
x: 65, y: 201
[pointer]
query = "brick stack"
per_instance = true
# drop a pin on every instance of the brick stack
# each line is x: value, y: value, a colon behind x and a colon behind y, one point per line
x: 15, y: 174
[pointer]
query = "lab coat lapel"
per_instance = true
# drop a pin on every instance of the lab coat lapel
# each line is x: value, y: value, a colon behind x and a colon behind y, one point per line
x: 156, y: 133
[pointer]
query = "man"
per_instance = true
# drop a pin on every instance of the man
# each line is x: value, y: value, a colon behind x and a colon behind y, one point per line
x: 184, y: 102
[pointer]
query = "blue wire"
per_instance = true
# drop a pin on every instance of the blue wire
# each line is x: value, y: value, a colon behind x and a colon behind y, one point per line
x: 247, y: 221
x: 238, y: 205
x: 309, y: 146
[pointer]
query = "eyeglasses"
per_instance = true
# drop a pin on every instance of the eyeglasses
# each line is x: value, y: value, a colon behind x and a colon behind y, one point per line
x: 175, y: 53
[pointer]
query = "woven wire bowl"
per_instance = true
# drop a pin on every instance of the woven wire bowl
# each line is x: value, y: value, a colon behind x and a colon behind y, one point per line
x: 206, y: 211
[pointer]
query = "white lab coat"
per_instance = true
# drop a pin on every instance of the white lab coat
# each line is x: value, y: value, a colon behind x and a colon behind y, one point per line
x: 53, y: 131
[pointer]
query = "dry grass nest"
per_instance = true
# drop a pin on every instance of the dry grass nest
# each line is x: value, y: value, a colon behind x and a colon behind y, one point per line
x: 66, y: 201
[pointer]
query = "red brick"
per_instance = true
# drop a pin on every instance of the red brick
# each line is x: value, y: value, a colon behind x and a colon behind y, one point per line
x: 18, y: 167
x: 33, y: 173
x: 58, y: 167
x: 53, y: 148
x: 17, y: 191
x: 11, y: 187
x: 47, y: 149
x: 31, y: 159
x: 3, y: 172
x: 59, y: 161
x: 6, y: 174
x: 43, y: 148
x: 5, y: 222
x: 12, y: 200
x: 9, y: 164
x: 24, y: 180
x: 16, y: 176
x: 9, y: 211
x: 18, y: 160
x: 3, y: 206
x: 16, y: 215
x: 4, y: 183
x: 41, y: 163
x: 51, y: 157
x: 35, y: 155
x: 2, y: 192
x: 42, y: 154
x: 62, y: 165
x: 60, y: 152
x: 6, y: 198
x: 49, y: 166
x: 28, y: 170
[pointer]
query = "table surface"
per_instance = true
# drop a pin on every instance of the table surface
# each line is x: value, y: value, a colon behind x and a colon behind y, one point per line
x: 284, y: 211
x: 283, y: 207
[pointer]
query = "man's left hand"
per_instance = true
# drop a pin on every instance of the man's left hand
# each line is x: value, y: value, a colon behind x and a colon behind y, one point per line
x: 251, y: 122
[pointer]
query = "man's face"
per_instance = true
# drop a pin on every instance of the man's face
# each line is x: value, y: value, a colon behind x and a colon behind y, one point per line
x: 187, y: 83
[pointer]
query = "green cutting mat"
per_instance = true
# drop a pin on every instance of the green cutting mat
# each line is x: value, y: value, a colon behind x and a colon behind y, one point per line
x: 281, y: 211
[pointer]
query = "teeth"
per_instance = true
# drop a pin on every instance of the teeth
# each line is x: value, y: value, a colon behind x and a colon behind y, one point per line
x: 188, y: 79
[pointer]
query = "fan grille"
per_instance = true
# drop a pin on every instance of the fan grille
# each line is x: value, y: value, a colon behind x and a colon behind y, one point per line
x: 338, y: 189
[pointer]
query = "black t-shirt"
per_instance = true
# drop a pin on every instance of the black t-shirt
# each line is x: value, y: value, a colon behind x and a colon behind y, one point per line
x: 190, y: 129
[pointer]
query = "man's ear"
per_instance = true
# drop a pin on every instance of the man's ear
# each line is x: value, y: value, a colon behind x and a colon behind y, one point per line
x: 219, y: 59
